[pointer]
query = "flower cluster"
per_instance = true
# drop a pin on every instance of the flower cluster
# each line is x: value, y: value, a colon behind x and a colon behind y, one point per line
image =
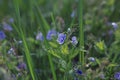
x: 60, y: 37
x: 5, y: 27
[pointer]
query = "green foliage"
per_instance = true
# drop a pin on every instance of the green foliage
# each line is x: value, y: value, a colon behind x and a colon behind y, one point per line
x: 96, y: 54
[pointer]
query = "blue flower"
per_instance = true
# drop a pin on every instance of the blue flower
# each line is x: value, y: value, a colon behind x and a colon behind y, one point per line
x: 2, y: 35
x: 21, y: 65
x: 92, y: 59
x: 11, y: 20
x: 7, y: 27
x: 50, y: 34
x: 74, y: 40
x: 117, y: 75
x: 102, y: 76
x: 40, y: 36
x: 61, y: 38
x: 115, y: 25
x: 79, y: 72
x: 110, y: 32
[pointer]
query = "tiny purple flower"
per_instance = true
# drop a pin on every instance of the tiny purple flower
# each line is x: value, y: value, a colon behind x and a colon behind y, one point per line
x: 50, y: 34
x: 115, y: 25
x: 117, y: 75
x: 21, y: 65
x: 61, y: 38
x: 102, y: 76
x: 2, y: 35
x: 79, y: 72
x: 74, y: 40
x: 7, y: 27
x: 40, y: 36
x: 11, y: 20
x: 110, y: 32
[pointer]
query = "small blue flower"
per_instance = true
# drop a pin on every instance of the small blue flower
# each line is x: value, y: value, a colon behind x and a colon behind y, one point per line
x: 21, y: 65
x: 117, y: 75
x: 7, y: 27
x: 102, y: 76
x: 74, y: 40
x: 11, y: 20
x: 50, y: 34
x: 40, y: 36
x: 2, y: 35
x: 110, y: 32
x: 115, y: 25
x: 61, y: 38
x: 92, y: 59
x: 79, y: 72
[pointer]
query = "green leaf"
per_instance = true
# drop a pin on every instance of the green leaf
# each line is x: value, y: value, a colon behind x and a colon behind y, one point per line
x: 62, y: 70
x: 53, y: 44
x: 64, y: 49
x: 112, y: 65
x: 75, y: 53
x: 110, y: 2
x: 98, y: 61
x: 54, y: 53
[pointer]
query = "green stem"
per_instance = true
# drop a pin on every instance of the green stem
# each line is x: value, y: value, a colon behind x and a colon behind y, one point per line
x: 44, y: 31
x: 22, y: 35
x: 52, y: 67
x: 81, y: 58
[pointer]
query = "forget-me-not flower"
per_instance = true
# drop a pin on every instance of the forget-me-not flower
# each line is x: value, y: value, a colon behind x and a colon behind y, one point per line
x: 2, y: 35
x: 40, y: 36
x: 50, y: 34
x: 61, y: 38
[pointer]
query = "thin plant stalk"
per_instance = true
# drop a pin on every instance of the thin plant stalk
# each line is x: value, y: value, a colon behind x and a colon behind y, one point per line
x: 81, y: 58
x: 22, y: 35
x: 44, y: 30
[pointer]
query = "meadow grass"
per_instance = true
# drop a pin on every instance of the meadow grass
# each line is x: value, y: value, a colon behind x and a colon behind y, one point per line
x: 60, y: 40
